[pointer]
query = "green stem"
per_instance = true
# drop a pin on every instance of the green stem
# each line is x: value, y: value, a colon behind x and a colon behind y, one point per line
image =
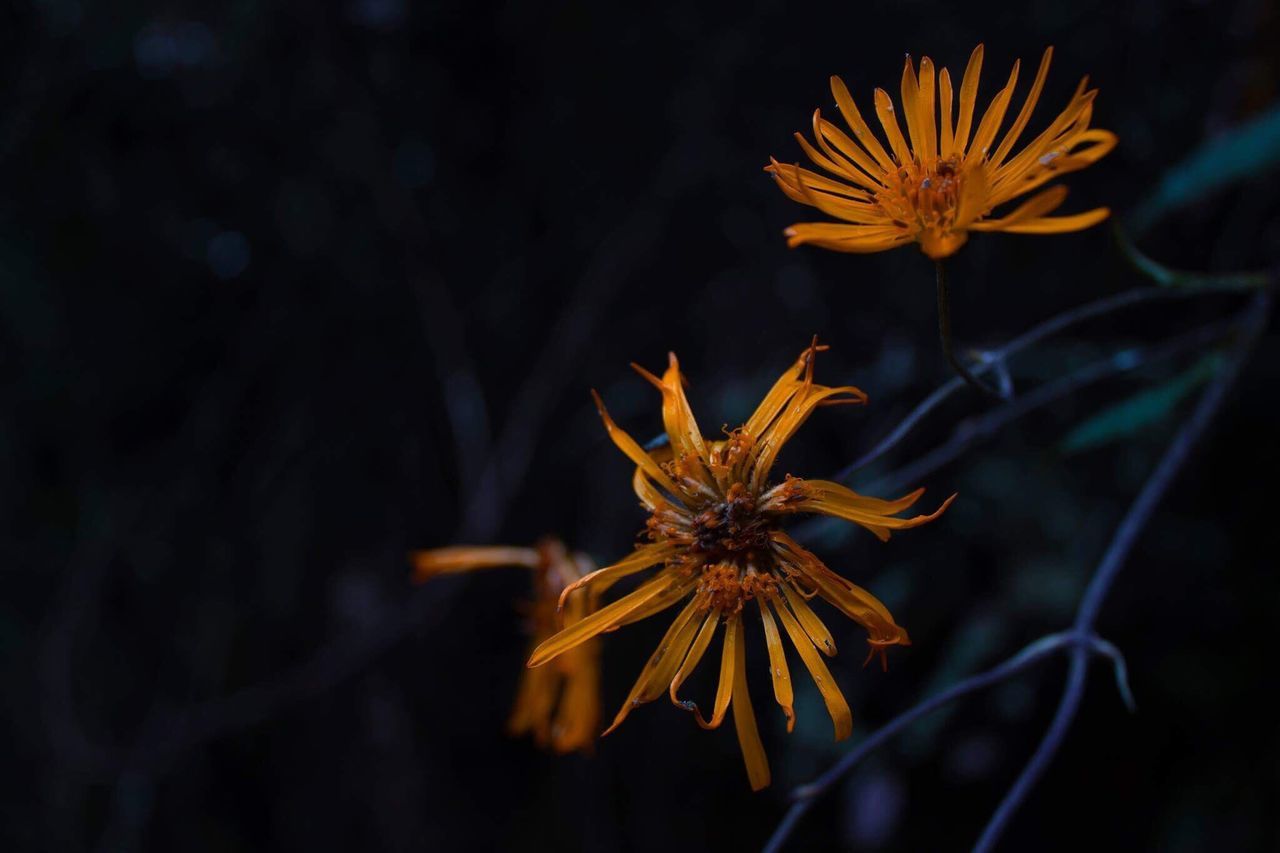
x: 944, y: 333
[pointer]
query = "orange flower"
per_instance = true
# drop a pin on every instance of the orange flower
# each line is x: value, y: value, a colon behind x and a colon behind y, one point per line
x: 714, y: 528
x: 559, y: 705
x: 943, y: 182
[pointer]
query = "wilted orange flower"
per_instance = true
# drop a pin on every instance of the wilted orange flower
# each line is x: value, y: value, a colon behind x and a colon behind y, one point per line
x: 714, y: 528
x: 937, y: 184
x: 558, y: 705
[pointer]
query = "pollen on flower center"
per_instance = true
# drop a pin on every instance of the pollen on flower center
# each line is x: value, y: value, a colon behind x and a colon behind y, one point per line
x: 925, y: 196
x: 725, y: 588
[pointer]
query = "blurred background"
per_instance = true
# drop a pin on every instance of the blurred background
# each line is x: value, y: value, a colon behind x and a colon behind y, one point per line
x: 288, y: 290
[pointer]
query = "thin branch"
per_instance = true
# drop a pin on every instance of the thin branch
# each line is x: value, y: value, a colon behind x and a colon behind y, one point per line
x: 1080, y: 640
x: 1126, y: 536
x: 1039, y: 332
x: 805, y: 795
x: 970, y: 433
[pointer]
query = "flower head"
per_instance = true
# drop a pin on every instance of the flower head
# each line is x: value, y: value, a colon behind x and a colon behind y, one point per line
x: 943, y: 179
x: 558, y: 705
x: 714, y: 531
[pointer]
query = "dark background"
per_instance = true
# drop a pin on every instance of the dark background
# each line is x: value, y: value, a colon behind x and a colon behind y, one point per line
x: 287, y: 291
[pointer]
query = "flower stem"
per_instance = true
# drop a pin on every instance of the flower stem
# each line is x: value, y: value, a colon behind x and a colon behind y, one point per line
x: 944, y: 334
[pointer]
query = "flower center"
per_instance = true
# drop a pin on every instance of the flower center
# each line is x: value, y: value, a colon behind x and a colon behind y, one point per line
x: 923, y: 196
x: 733, y: 528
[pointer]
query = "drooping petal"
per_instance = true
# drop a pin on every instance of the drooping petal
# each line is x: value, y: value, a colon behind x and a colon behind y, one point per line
x: 837, y: 707
x: 696, y: 651
x: 744, y: 718
x: 778, y: 671
x: 464, y: 558
x: 657, y: 589
x: 535, y: 702
x: 724, y: 689
x: 637, y: 561
x: 655, y: 678
x: 852, y: 600
x: 578, y: 714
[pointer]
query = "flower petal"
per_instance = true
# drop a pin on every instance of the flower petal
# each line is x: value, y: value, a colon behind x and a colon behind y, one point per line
x: 778, y: 671
x: 637, y: 561
x: 994, y: 115
x: 847, y: 238
x: 884, y: 109
x: 464, y: 558
x: 612, y: 615
x: 837, y: 707
x: 633, y: 450
x: 1024, y: 115
x: 947, y: 141
x: 809, y: 621
x: 1036, y: 206
x: 691, y: 660
x: 1061, y: 224
x: 677, y: 417
x: 861, y: 130
x: 828, y: 498
x: 655, y: 678
x: 744, y: 718
x: 852, y: 600
x: 968, y: 99
x: 724, y: 690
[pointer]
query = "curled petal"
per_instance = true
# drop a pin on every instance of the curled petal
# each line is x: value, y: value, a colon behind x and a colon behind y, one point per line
x: 827, y: 498
x: 662, y: 664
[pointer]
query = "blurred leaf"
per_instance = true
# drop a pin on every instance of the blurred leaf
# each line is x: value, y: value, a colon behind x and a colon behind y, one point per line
x: 1144, y: 409
x: 1169, y: 277
x: 1235, y: 155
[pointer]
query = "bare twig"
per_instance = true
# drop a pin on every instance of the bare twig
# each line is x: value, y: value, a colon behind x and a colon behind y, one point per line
x: 804, y: 796
x: 1080, y: 641
x: 948, y: 347
x: 1034, y: 335
x: 1117, y: 552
